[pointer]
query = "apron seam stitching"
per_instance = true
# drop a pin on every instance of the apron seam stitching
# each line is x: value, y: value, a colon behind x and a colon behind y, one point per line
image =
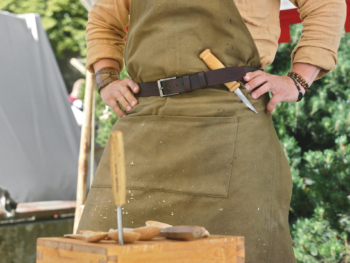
x: 179, y: 192
x: 233, y: 155
x: 164, y: 191
x: 272, y: 192
x: 218, y: 119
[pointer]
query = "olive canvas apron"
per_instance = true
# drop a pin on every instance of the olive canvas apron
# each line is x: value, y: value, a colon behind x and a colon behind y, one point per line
x: 199, y: 158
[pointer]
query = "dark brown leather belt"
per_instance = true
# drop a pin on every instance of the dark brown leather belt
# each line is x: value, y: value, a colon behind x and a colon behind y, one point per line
x: 188, y: 83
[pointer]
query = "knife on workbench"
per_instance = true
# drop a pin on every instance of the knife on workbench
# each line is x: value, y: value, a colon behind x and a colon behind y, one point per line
x: 186, y: 233
x: 117, y: 170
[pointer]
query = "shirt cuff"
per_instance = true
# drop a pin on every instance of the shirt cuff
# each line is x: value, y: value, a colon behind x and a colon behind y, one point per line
x: 323, y: 58
x: 98, y: 52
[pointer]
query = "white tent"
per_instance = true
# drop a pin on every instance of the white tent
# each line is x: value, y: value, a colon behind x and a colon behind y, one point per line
x: 286, y: 4
x: 88, y: 3
x: 39, y: 137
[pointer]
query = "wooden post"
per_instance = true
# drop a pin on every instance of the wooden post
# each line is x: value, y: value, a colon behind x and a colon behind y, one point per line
x: 92, y: 150
x: 84, y: 148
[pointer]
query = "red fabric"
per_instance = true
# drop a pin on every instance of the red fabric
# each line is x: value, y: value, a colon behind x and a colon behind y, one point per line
x: 292, y: 16
x: 71, y: 98
x: 287, y: 18
x: 347, y: 23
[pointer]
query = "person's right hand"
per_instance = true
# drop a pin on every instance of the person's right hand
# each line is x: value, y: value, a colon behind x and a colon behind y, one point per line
x: 120, y: 91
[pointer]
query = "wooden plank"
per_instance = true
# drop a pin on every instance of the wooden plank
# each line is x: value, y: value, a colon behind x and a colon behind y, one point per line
x: 56, y: 255
x: 191, y: 256
x: 213, y: 249
x: 39, y: 255
x: 47, y: 205
x: 46, y: 209
x: 73, y: 245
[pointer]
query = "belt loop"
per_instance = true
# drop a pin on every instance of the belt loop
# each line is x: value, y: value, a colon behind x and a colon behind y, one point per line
x: 187, y: 83
x: 202, y: 80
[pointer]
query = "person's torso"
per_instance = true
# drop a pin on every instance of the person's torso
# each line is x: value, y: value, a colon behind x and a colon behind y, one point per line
x: 168, y: 29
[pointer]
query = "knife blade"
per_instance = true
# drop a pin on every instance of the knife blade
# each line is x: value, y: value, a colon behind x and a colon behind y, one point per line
x: 117, y: 170
x: 213, y: 63
x: 244, y: 99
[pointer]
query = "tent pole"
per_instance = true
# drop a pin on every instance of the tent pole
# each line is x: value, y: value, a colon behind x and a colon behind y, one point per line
x: 84, y: 149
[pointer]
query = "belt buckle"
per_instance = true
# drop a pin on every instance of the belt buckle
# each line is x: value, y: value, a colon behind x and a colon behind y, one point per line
x: 160, y: 87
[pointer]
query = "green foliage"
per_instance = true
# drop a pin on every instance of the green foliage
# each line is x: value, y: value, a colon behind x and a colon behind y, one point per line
x: 329, y: 171
x: 315, y: 135
x: 63, y: 20
x: 316, y: 242
x: 105, y: 117
x: 324, y: 114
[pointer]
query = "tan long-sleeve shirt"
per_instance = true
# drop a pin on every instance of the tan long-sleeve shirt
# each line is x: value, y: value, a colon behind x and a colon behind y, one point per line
x: 323, y: 22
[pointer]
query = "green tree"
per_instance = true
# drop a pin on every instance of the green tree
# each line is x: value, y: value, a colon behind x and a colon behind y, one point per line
x: 315, y: 135
x: 63, y: 20
x: 316, y: 242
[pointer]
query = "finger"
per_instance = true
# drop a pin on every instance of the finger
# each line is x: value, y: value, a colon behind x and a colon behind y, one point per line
x: 128, y: 96
x: 115, y: 107
x: 119, y: 97
x: 254, y: 74
x: 273, y: 103
x: 257, y: 81
x: 133, y: 85
x: 262, y: 90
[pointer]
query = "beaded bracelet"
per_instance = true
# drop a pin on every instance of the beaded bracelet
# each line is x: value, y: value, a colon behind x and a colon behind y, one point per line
x: 300, y: 79
x: 300, y: 96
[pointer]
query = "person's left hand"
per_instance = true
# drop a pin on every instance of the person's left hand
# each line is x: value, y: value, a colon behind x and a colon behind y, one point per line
x: 281, y: 87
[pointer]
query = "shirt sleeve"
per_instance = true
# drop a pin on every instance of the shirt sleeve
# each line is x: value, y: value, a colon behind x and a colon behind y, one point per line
x: 323, y: 24
x: 106, y: 30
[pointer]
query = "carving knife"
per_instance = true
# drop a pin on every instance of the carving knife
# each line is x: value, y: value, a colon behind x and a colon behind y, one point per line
x: 213, y: 63
x: 187, y: 233
x: 117, y: 167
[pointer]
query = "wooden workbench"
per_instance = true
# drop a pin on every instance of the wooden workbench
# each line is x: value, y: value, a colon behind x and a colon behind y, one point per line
x: 217, y: 249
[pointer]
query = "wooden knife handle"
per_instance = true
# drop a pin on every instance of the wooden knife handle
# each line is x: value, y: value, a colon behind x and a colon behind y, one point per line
x: 213, y: 63
x: 182, y: 232
x: 117, y: 167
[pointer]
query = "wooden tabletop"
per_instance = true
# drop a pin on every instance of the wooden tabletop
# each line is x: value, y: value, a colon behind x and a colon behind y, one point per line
x: 212, y: 249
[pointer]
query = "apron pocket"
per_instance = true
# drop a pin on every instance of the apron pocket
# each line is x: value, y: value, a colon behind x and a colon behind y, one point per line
x: 190, y: 155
